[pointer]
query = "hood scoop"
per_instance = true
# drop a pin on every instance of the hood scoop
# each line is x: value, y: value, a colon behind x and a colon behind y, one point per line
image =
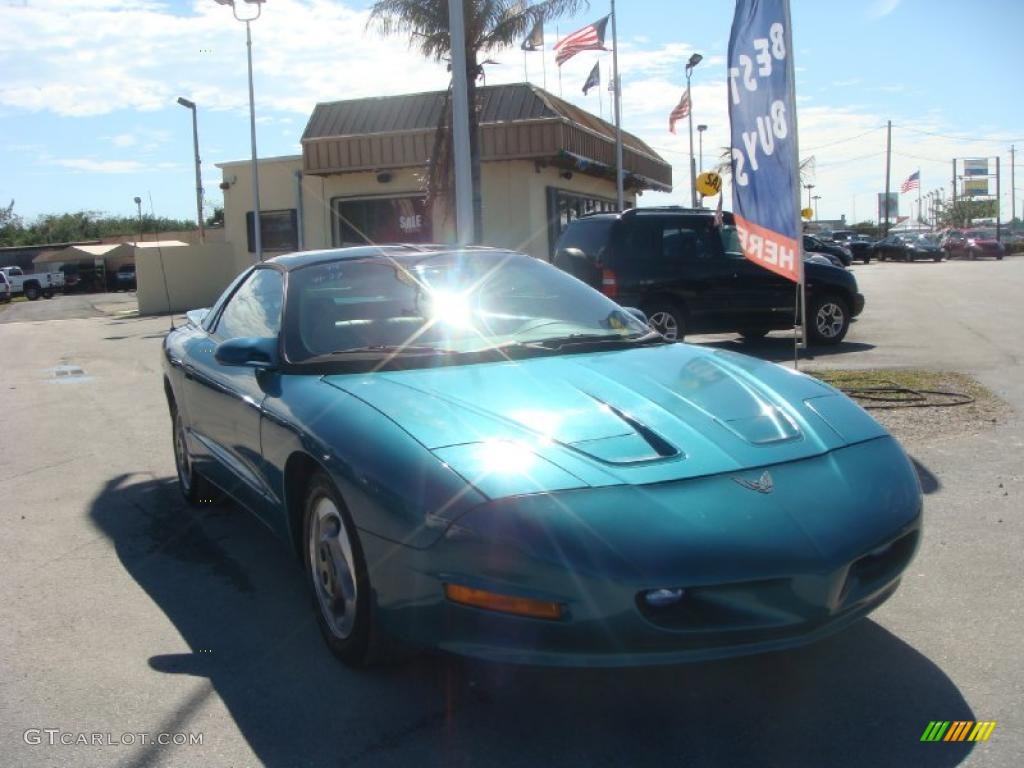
x: 640, y: 445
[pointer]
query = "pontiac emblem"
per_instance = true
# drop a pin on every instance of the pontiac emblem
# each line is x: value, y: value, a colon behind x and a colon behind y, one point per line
x: 763, y: 484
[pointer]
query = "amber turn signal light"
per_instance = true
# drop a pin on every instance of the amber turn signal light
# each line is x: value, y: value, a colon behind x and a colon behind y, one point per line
x: 492, y: 601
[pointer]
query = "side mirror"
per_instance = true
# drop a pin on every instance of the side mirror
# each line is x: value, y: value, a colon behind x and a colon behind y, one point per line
x: 637, y: 313
x: 248, y: 352
x: 197, y: 316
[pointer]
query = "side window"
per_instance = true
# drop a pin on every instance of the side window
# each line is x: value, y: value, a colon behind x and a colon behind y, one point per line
x: 681, y: 243
x: 254, y: 309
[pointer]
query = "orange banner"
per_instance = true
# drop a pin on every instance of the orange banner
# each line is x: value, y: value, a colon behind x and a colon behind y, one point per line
x: 770, y: 250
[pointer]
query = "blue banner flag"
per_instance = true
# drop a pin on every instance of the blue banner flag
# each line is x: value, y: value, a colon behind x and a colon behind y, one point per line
x: 762, y: 114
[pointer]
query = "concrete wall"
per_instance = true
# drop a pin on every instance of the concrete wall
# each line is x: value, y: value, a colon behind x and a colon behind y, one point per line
x: 196, y: 276
x: 514, y: 195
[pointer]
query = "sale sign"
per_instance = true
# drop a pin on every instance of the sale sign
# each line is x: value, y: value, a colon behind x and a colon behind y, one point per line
x: 762, y: 114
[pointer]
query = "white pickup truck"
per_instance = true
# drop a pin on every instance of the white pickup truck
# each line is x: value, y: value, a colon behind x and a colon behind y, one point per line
x: 33, y: 285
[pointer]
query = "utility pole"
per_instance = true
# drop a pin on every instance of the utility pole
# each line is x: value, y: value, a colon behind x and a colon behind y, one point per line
x: 1013, y: 189
x: 888, y: 168
x: 620, y: 195
x: 460, y: 125
x: 998, y: 206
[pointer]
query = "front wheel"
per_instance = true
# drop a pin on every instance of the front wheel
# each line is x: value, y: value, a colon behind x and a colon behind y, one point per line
x: 32, y: 292
x: 829, y: 319
x: 668, y: 319
x: 337, y: 576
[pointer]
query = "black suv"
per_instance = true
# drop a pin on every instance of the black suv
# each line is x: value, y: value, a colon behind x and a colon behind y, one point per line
x: 689, y: 276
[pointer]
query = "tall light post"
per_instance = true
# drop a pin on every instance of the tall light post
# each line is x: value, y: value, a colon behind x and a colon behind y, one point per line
x: 138, y: 204
x: 700, y: 146
x: 693, y: 62
x: 190, y: 105
x: 257, y: 237
x: 816, y: 198
x: 808, y: 187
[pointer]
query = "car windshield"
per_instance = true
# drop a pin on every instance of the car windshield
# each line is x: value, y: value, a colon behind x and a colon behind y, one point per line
x: 447, y: 304
x: 981, y: 234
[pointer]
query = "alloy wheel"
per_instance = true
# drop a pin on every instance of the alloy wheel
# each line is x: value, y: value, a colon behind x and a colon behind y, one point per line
x: 332, y: 568
x: 665, y: 323
x: 182, y: 461
x: 829, y: 320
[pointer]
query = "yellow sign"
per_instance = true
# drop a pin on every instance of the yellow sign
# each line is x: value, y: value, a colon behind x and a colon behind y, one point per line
x: 807, y: 213
x: 709, y: 183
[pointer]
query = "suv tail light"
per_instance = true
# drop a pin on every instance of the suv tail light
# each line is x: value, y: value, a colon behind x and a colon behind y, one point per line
x: 609, y: 284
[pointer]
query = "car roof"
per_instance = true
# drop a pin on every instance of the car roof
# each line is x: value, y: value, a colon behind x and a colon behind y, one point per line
x: 298, y: 259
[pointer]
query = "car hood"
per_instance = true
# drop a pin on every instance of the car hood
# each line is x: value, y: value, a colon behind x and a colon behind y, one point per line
x: 644, y: 415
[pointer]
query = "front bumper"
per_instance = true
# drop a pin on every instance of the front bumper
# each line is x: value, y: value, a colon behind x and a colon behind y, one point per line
x: 858, y: 304
x: 762, y: 572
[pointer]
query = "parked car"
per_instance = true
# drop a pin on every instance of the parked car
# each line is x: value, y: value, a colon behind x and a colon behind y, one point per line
x: 689, y: 276
x: 34, y: 285
x: 5, y: 288
x: 475, y: 452
x: 972, y: 244
x: 908, y: 247
x: 125, y: 277
x: 817, y: 245
x: 826, y: 258
x: 860, y: 246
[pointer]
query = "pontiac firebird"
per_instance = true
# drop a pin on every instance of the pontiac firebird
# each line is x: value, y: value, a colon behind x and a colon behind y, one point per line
x: 470, y: 450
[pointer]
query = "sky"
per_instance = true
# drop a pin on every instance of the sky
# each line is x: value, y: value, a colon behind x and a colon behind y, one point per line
x: 88, y: 89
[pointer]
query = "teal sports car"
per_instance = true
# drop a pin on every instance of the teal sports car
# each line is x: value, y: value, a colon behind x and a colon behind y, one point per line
x: 472, y: 451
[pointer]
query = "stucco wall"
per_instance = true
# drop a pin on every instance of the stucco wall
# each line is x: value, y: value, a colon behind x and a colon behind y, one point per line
x: 196, y: 276
x: 514, y: 200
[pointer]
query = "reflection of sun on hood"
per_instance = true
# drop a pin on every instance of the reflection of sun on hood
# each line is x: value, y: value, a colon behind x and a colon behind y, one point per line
x: 636, y: 416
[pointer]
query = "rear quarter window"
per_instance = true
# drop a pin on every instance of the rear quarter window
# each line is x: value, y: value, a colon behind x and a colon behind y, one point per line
x: 588, y: 235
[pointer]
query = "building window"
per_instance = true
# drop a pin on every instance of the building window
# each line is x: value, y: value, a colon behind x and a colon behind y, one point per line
x: 381, y: 220
x: 279, y: 230
x: 564, y: 207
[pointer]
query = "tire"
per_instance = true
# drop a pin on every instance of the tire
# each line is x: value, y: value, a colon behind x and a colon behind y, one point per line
x: 753, y: 334
x: 867, y: 259
x: 48, y: 293
x: 829, y: 319
x: 972, y: 255
x: 337, y: 577
x: 667, y: 318
x: 195, y: 489
x: 31, y: 291
x: 937, y: 259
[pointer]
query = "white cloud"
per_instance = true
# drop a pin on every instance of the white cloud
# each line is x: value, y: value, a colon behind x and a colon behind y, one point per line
x: 92, y: 165
x: 124, y: 140
x: 880, y: 8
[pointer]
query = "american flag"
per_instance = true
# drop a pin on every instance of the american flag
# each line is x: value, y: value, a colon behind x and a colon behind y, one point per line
x: 590, y: 38
x: 913, y: 182
x: 682, y: 110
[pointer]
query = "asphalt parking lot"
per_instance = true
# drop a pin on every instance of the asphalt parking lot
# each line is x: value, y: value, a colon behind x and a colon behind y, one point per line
x: 125, y: 612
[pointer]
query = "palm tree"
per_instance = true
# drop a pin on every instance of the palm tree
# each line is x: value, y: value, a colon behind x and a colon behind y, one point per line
x: 724, y: 167
x: 491, y: 25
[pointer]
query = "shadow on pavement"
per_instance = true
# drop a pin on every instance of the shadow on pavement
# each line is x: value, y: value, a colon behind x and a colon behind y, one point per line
x: 779, y: 349
x: 929, y: 482
x: 862, y: 698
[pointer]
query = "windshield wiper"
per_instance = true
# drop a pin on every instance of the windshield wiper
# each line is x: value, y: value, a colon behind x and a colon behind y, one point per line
x: 390, y: 349
x: 573, y: 339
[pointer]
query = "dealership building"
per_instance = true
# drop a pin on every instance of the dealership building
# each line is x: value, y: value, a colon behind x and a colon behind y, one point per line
x: 364, y: 170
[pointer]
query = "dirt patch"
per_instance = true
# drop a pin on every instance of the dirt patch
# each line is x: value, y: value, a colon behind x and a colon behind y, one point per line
x: 920, y: 406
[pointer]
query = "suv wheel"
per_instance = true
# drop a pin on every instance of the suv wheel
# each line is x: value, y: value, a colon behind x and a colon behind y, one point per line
x: 829, y: 319
x: 668, y: 319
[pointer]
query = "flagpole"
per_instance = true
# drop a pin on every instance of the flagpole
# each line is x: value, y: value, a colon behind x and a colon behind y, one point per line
x: 801, y: 286
x: 526, y: 71
x: 600, y: 98
x: 619, y: 196
x: 919, y: 216
x: 544, y: 60
x: 558, y: 36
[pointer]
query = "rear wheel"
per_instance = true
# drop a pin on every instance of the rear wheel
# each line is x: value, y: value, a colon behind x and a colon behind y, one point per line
x: 668, y: 319
x: 829, y: 319
x: 336, y: 570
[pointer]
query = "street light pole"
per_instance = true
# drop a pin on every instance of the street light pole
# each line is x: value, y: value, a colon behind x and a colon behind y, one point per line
x: 257, y: 235
x: 700, y: 141
x: 190, y: 105
x: 808, y: 187
x: 138, y: 204
x: 693, y: 62
x: 816, y: 198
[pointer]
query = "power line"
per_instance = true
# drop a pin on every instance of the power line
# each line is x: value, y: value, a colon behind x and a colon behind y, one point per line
x: 850, y: 159
x: 972, y: 139
x: 842, y: 141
